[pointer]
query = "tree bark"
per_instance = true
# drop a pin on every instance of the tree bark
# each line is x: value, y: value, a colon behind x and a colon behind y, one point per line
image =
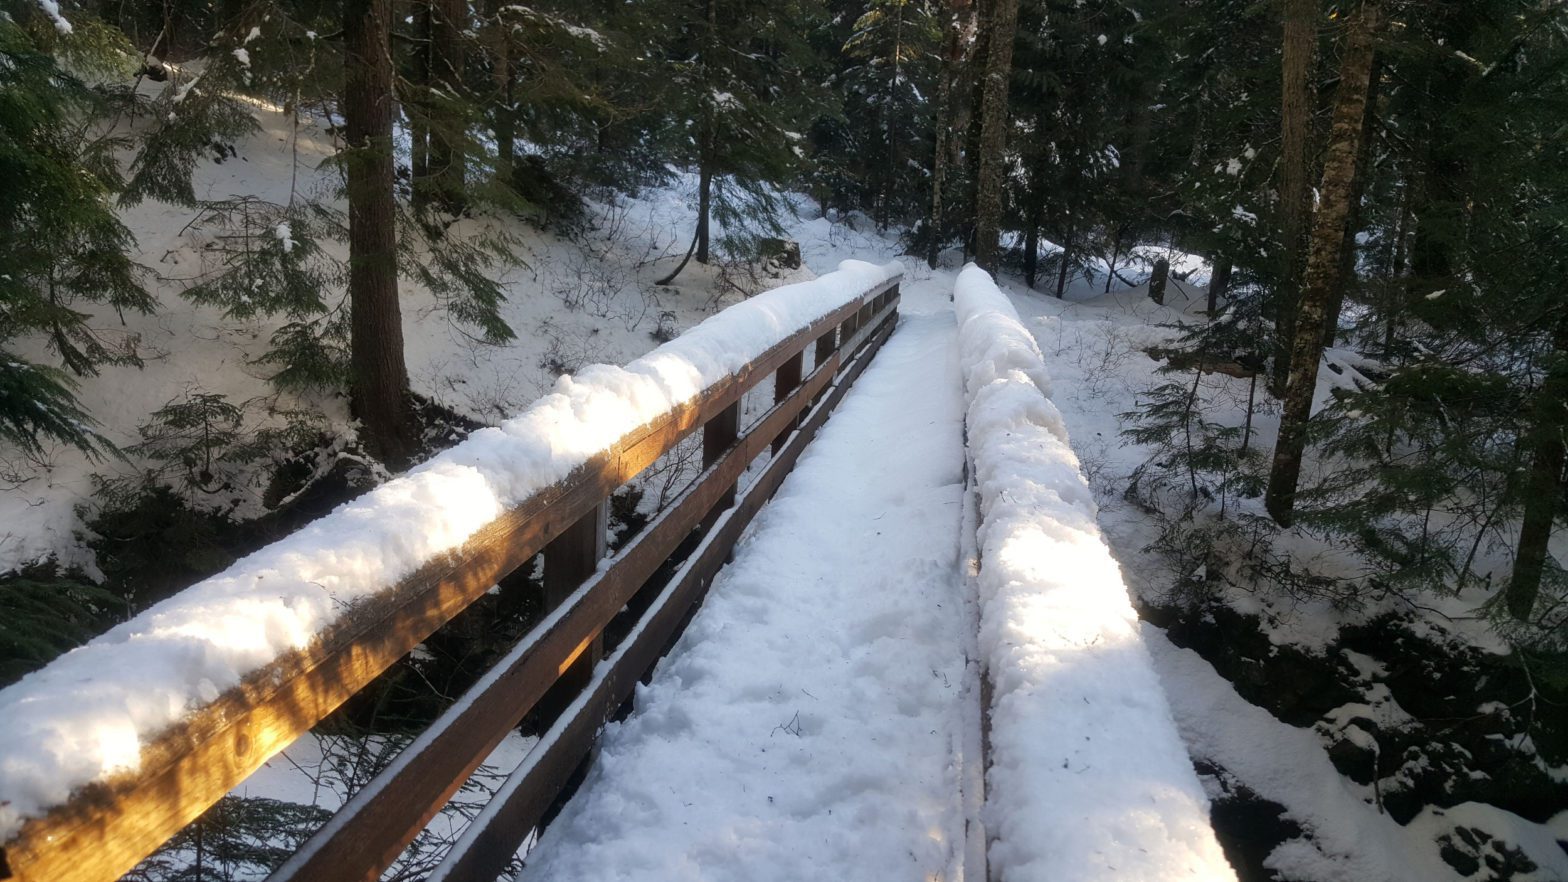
x: 1295, y: 194
x: 970, y: 151
x: 993, y: 133
x: 379, y: 377
x: 1061, y: 272
x: 1323, y: 257
x: 704, y: 208
x: 418, y: 124
x: 1542, y: 489
x: 961, y: 13
x: 447, y: 160
x: 504, y: 120
x: 1157, y: 280
x: 1358, y: 186
x: 1219, y: 283
x: 707, y: 144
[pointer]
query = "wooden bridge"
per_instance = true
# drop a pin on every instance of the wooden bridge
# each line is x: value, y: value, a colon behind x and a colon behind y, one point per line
x: 954, y: 451
x: 106, y: 829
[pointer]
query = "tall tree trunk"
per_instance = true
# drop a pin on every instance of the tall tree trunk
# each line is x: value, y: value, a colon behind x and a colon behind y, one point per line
x: 1157, y: 280
x: 418, y: 122
x: 379, y: 380
x: 1542, y: 489
x: 1323, y: 257
x: 504, y: 119
x: 1393, y: 299
x: 704, y: 205
x: 1116, y: 250
x: 980, y: 52
x: 447, y: 161
x: 1295, y: 194
x: 993, y: 133
x: 1358, y: 186
x: 1219, y: 283
x: 1031, y: 251
x: 960, y: 14
x: 1061, y: 272
x: 707, y: 145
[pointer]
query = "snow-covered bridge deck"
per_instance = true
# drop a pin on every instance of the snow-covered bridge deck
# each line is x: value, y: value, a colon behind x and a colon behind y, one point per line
x: 812, y: 721
x: 910, y: 669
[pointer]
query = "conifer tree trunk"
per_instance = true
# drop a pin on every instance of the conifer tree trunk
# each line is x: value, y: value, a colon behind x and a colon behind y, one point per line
x: 1295, y: 194
x: 1031, y: 251
x: 704, y: 199
x: 1061, y: 272
x: 1219, y: 283
x: 505, y: 121
x: 1542, y: 487
x: 1323, y: 257
x: 447, y: 161
x: 993, y: 132
x: 379, y: 377
x: 418, y: 125
x: 706, y: 146
x: 979, y: 54
x: 1157, y: 280
x: 1358, y: 186
x: 959, y: 12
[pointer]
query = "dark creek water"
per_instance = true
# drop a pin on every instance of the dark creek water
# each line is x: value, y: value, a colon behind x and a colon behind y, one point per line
x: 1479, y: 723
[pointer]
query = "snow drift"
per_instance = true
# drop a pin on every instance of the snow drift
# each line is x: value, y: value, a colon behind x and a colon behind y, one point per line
x: 1088, y: 779
x: 86, y: 716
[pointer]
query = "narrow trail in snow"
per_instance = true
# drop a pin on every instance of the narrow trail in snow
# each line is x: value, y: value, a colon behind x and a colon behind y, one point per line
x: 810, y: 722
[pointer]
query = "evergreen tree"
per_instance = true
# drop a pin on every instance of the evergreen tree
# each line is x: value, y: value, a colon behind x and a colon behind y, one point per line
x: 892, y: 51
x: 999, y: 20
x: 739, y: 99
x: 378, y: 380
x: 1331, y: 230
x: 64, y: 246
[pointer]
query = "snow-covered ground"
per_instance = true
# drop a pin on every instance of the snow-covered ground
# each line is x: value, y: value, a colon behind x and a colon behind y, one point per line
x: 571, y: 301
x: 1095, y: 350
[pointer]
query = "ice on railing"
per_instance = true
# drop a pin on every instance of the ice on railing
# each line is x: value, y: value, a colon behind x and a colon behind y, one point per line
x: 85, y: 716
x: 1088, y: 779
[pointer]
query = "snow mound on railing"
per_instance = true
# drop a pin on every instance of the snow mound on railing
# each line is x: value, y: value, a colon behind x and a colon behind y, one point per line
x: 85, y: 717
x: 1088, y: 779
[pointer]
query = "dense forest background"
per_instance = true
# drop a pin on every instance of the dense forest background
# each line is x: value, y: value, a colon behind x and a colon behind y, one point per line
x: 1376, y: 189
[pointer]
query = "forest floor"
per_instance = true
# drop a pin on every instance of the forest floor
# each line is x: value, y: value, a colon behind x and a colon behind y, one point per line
x: 1356, y: 744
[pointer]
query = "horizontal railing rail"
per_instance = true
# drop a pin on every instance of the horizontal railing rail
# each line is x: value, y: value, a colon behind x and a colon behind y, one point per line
x: 105, y: 829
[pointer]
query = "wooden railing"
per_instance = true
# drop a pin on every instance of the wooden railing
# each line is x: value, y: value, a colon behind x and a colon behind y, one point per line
x: 106, y: 829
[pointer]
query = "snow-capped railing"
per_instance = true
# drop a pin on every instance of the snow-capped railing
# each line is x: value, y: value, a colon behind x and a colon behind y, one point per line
x: 1087, y: 778
x: 115, y: 746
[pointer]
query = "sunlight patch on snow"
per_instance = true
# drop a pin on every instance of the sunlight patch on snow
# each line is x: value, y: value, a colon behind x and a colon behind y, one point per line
x: 1089, y: 779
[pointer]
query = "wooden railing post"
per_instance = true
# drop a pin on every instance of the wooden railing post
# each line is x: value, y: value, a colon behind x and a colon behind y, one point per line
x: 826, y: 345
x: 718, y: 436
x: 785, y: 381
x: 569, y: 560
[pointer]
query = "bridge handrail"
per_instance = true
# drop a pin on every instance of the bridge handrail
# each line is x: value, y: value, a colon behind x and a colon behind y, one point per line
x: 103, y: 822
x: 1086, y: 775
